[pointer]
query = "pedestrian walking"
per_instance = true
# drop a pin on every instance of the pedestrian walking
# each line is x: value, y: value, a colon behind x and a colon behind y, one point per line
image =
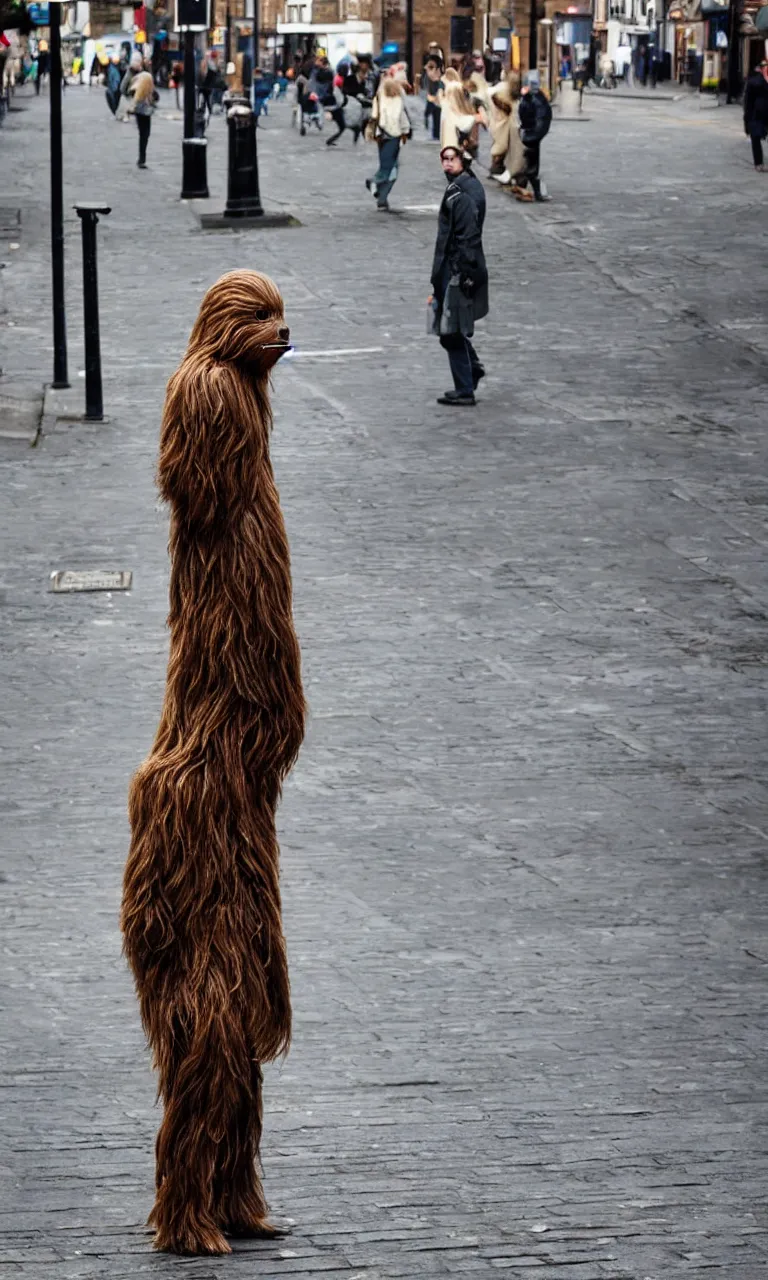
x: 176, y: 81
x: 124, y: 103
x: 206, y: 81
x: 535, y: 115
x: 303, y: 105
x: 434, y: 87
x: 345, y: 86
x: 457, y: 118
x: 607, y: 68
x: 756, y: 112
x: 507, y: 151
x: 368, y: 74
x: 112, y: 81
x: 144, y: 97
x: 391, y: 129
x: 435, y: 53
x: 459, y: 275
x: 43, y: 64
x: 321, y: 82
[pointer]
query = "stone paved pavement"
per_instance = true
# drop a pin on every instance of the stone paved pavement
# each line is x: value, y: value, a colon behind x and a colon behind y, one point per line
x: 523, y: 849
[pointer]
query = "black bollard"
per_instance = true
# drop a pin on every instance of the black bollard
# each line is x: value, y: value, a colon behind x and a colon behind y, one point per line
x: 244, y: 207
x: 243, y: 198
x: 89, y: 217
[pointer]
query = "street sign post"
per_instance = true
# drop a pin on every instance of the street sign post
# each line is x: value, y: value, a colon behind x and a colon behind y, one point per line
x: 60, y: 377
x: 192, y: 16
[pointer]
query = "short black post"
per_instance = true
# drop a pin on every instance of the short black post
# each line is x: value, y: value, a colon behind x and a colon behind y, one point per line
x: 243, y: 197
x: 60, y: 378
x: 89, y: 217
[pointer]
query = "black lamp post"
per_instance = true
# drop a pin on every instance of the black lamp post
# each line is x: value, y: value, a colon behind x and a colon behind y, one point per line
x: 533, y: 38
x: 256, y: 37
x: 60, y: 378
x: 409, y: 43
x: 733, y: 70
x: 192, y: 16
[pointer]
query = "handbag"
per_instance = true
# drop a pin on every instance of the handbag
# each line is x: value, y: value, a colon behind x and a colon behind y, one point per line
x: 433, y: 317
x: 458, y: 313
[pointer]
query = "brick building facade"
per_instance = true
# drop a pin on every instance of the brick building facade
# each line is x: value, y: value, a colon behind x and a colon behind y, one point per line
x: 459, y: 26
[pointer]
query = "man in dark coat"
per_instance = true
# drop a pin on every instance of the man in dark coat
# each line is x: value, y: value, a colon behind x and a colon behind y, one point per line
x: 535, y: 116
x: 756, y: 112
x: 459, y: 274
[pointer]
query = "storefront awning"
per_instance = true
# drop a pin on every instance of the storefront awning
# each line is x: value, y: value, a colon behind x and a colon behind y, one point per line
x: 324, y: 28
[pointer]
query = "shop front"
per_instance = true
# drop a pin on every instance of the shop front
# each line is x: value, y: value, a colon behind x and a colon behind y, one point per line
x: 687, y: 28
x: 754, y: 38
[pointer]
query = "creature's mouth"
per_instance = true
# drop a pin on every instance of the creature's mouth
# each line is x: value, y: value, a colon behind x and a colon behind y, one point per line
x: 282, y: 347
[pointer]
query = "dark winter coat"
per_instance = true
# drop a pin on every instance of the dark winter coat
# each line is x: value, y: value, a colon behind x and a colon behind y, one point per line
x: 535, y: 116
x: 459, y: 244
x: 352, y: 87
x: 756, y: 103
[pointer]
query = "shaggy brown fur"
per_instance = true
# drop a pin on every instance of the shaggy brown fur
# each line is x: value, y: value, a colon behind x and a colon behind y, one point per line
x: 201, y: 905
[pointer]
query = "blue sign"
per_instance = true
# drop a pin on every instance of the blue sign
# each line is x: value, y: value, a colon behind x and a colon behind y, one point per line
x: 38, y: 14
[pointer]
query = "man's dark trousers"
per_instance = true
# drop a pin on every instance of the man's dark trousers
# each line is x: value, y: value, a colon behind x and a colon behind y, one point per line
x: 756, y: 135
x: 462, y: 356
x: 532, y: 160
x: 463, y: 360
x: 144, y: 124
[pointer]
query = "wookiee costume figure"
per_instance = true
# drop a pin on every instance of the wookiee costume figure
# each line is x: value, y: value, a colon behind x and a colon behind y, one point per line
x: 201, y: 906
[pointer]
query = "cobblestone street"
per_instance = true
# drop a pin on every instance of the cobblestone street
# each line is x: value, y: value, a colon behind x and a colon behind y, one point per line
x: 523, y: 850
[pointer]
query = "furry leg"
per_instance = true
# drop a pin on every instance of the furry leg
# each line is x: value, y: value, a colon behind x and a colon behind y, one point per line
x: 187, y: 1149
x: 243, y: 1208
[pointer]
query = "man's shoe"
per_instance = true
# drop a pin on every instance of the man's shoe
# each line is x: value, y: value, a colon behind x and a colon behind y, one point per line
x: 456, y: 398
x: 477, y: 373
x: 383, y: 208
x: 527, y: 197
x: 504, y: 178
x: 543, y: 199
x: 142, y: 165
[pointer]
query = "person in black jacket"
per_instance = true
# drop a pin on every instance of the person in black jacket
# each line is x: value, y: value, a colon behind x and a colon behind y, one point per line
x: 535, y: 115
x: 756, y: 112
x: 459, y: 275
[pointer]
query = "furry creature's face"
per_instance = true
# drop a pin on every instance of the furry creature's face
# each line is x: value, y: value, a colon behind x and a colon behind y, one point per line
x: 241, y: 321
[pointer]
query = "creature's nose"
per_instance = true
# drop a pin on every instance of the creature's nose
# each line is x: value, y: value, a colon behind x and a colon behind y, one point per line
x: 285, y: 333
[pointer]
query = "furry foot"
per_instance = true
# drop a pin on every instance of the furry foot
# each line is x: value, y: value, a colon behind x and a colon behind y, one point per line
x: 191, y: 1242
x: 256, y: 1229
x: 187, y: 1237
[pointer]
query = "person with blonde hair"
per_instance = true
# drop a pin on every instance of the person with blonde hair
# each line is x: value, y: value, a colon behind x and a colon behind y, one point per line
x: 507, y: 153
x: 458, y: 118
x: 144, y: 96
x: 391, y: 130
x: 133, y: 69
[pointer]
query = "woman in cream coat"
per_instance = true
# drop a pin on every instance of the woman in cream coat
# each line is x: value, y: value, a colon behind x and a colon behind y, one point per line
x: 391, y: 129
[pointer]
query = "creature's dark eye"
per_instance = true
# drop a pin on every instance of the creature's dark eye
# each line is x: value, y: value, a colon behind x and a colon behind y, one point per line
x: 262, y: 314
